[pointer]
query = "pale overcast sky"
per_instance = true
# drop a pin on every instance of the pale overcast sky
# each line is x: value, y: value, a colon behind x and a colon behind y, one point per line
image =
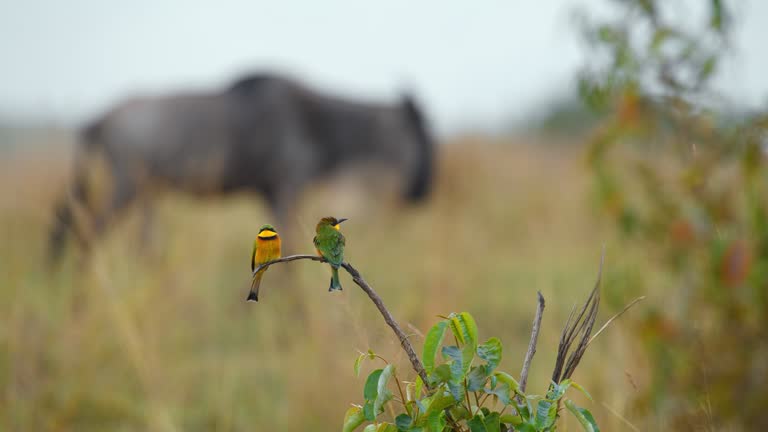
x: 474, y: 64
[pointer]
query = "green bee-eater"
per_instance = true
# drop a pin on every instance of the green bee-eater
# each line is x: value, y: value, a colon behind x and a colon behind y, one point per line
x: 329, y: 243
x: 266, y: 248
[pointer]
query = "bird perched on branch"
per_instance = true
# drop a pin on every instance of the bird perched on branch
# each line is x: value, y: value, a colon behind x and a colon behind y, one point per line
x: 329, y: 243
x: 266, y: 248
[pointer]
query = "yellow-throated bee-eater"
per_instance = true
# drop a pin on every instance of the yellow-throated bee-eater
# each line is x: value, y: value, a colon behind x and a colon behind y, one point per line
x: 266, y: 248
x: 329, y: 243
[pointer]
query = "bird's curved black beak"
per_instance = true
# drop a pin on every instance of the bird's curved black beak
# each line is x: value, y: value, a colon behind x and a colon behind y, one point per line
x: 341, y: 220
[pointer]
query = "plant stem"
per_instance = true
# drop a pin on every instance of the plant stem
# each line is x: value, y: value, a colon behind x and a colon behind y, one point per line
x: 483, y: 399
x: 402, y: 395
x: 466, y: 393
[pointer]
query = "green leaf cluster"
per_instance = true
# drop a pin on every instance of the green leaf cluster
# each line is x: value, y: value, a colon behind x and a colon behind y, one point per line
x: 465, y: 391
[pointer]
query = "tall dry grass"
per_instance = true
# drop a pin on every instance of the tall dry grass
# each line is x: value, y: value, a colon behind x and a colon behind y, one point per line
x: 162, y: 339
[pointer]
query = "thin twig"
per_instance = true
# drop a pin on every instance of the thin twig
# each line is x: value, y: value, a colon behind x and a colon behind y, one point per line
x: 620, y: 417
x: 531, y: 345
x: 610, y: 320
x: 358, y: 279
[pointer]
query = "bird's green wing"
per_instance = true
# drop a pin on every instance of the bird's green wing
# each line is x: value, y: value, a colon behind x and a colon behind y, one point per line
x: 253, y: 256
x: 336, y: 249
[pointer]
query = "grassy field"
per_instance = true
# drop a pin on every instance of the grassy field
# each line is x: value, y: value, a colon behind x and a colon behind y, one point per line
x: 162, y: 340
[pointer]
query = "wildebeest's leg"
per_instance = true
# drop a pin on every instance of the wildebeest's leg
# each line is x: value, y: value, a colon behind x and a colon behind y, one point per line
x: 283, y: 206
x: 145, y: 234
x: 123, y: 194
x: 64, y: 218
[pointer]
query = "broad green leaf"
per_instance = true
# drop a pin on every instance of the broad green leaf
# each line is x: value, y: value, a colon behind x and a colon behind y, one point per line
x: 459, y: 412
x: 464, y: 328
x: 432, y: 342
x: 453, y: 354
x: 476, y: 424
x: 436, y: 421
x: 403, y: 422
x: 358, y: 360
x: 476, y: 378
x: 378, y: 404
x: 467, y: 354
x: 490, y: 351
x: 583, y: 415
x: 386, y: 427
x: 368, y: 412
x: 371, y: 385
x: 370, y: 428
x: 525, y: 427
x: 352, y: 419
x: 546, y: 414
x: 417, y: 388
x: 457, y: 390
x: 506, y: 378
x: 525, y: 410
x: 439, y: 402
x: 511, y: 419
x: 441, y: 374
x: 492, y: 422
x: 383, y: 394
x: 502, y: 392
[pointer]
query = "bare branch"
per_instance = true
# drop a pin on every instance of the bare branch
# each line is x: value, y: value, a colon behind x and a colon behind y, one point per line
x: 532, y: 344
x: 358, y: 279
x: 289, y: 258
x: 404, y: 342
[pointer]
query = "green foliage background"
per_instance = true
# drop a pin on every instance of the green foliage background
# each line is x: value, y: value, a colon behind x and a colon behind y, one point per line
x: 688, y: 182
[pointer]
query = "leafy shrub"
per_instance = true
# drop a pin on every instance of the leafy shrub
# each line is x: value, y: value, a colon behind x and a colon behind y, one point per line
x: 688, y: 183
x: 465, y: 390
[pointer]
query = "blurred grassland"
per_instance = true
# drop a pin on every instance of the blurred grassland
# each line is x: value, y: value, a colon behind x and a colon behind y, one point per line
x: 162, y: 339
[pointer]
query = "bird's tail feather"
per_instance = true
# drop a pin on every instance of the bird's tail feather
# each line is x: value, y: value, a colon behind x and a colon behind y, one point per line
x: 335, y: 285
x: 253, y: 294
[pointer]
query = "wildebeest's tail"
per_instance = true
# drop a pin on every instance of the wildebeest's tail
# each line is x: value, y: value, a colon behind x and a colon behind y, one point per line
x: 77, y: 196
x: 421, y: 176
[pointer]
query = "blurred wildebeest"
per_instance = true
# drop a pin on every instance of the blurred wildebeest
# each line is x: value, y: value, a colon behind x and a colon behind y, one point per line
x: 265, y: 134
